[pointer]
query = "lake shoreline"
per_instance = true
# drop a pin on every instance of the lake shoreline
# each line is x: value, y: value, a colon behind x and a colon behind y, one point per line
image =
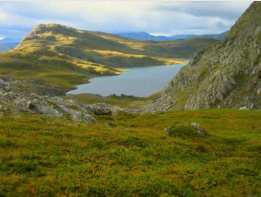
x: 128, y: 70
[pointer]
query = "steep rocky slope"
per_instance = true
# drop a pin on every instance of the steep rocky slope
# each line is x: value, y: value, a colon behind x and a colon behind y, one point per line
x: 225, y: 75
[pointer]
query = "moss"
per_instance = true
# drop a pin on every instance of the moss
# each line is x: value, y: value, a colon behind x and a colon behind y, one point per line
x: 74, y: 107
x: 67, y: 116
x: 203, y: 72
x: 183, y: 131
x: 240, y: 78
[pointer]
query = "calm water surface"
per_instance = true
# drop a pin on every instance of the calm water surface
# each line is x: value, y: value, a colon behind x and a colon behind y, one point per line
x: 142, y: 81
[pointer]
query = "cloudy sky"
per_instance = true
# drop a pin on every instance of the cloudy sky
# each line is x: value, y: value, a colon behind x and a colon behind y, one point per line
x: 17, y: 18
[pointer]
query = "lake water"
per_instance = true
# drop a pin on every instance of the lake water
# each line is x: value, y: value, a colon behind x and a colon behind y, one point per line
x: 142, y: 81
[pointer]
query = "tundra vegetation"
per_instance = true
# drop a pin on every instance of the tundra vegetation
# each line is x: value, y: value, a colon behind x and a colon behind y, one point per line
x: 129, y: 154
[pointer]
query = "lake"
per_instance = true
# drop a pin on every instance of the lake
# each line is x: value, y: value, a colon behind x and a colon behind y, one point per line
x: 141, y: 81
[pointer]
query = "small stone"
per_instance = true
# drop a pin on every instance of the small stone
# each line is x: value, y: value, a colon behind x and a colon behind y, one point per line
x: 107, y: 124
x: 243, y: 108
x: 167, y: 131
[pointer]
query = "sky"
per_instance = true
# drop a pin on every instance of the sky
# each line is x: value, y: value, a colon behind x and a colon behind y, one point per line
x: 18, y: 18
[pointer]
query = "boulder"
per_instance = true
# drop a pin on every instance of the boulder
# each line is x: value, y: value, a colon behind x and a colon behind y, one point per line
x: 243, y: 108
x: 186, y: 130
x: 104, y: 109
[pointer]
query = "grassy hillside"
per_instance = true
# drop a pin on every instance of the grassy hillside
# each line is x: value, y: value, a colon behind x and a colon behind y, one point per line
x: 46, y: 156
x: 64, y: 56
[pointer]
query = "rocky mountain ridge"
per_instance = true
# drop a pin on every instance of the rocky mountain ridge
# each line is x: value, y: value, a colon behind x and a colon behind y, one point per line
x: 225, y: 75
x: 220, y: 36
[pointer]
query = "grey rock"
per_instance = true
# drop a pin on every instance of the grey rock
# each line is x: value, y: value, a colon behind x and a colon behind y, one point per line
x: 200, y: 130
x: 53, y: 106
x: 166, y: 130
x: 243, y: 108
x: 100, y: 109
x: 104, y: 109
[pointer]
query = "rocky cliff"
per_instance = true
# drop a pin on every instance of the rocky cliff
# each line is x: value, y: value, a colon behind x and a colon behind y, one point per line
x: 225, y: 75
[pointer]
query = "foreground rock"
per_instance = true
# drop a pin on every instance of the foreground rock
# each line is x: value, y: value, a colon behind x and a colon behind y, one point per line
x: 226, y: 75
x: 8, y: 84
x: 186, y: 130
x: 52, y: 106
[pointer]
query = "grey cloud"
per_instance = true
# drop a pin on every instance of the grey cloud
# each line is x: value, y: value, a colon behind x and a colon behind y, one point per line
x: 220, y: 25
x: 223, y: 9
x: 117, y: 17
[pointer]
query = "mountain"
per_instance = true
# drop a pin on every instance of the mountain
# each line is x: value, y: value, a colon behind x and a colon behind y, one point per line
x: 146, y: 36
x: 182, y: 36
x: 9, y: 43
x: 225, y: 75
x: 7, y: 46
x: 215, y: 36
x: 64, y: 56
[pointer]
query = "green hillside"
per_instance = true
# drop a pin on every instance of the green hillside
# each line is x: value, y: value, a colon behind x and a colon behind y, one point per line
x: 47, y: 156
x: 64, y: 56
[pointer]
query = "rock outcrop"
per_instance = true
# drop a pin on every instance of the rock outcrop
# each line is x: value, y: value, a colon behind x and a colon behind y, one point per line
x: 225, y: 75
x: 52, y: 106
x: 186, y: 130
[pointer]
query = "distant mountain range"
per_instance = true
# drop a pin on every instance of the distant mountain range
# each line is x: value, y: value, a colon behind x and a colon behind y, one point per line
x: 7, y: 46
x: 146, y: 36
x: 215, y: 36
x: 9, y: 43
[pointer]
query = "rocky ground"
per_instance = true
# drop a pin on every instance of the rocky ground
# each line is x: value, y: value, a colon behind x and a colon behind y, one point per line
x: 50, y: 102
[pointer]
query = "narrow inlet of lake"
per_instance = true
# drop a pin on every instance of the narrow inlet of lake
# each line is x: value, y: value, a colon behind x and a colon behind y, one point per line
x: 141, y: 81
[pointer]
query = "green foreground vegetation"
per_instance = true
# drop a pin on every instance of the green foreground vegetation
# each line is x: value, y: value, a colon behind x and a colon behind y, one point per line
x: 46, y: 156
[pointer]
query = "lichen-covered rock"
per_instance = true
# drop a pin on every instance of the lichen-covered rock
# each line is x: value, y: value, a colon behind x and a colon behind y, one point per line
x: 185, y: 131
x: 228, y: 74
x: 104, y: 109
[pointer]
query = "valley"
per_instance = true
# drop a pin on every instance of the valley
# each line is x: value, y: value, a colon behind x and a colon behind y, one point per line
x: 198, y: 136
x: 62, y: 56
